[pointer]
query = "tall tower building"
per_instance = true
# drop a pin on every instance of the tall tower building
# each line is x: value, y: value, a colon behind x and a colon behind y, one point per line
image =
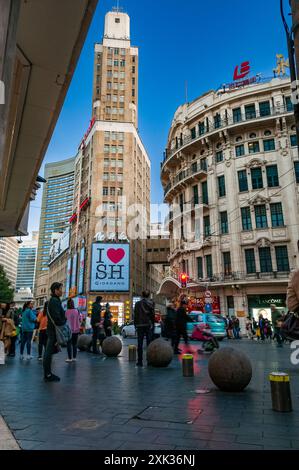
x: 27, y: 263
x: 112, y: 169
x: 9, y: 249
x: 56, y: 210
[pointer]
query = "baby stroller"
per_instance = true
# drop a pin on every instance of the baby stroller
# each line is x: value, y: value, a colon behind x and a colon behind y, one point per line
x: 202, y: 332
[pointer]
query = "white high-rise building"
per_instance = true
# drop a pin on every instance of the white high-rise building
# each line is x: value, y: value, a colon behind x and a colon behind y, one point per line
x: 9, y: 252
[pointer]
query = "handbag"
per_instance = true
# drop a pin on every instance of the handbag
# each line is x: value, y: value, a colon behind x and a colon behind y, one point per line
x: 63, y: 333
x: 290, y: 327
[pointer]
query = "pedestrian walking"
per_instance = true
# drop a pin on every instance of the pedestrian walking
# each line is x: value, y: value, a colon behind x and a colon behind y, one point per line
x: 229, y: 328
x: 73, y: 319
x: 7, y: 329
x: 262, y: 327
x: 144, y: 319
x: 28, y: 326
x: 96, y: 321
x: 13, y: 315
x: 249, y: 329
x: 181, y: 325
x: 42, y: 321
x: 108, y: 321
x: 236, y: 327
x: 170, y: 323
x: 56, y: 316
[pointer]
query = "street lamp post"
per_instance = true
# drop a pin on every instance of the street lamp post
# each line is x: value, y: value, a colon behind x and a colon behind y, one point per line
x: 291, y: 53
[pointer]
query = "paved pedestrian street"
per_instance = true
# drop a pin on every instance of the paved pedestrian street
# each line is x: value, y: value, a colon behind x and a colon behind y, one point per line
x: 108, y: 403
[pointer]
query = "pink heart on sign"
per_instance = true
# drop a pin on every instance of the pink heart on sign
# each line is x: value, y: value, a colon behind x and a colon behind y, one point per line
x: 115, y: 256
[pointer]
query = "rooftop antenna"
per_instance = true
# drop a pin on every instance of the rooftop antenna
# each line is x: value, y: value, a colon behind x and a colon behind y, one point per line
x: 117, y: 9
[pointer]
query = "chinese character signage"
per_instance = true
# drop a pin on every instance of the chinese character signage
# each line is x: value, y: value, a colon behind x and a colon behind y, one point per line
x: 68, y: 277
x: 81, y: 271
x: 110, y: 267
x: 74, y: 271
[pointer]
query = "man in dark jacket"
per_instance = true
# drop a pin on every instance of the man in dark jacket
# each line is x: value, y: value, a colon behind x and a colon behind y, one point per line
x: 144, y: 320
x: 55, y: 314
x: 96, y: 322
x: 181, y: 325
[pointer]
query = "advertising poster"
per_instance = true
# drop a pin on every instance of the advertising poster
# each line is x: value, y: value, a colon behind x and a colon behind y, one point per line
x: 74, y: 271
x: 68, y: 277
x: 81, y: 271
x: 60, y: 246
x: 110, y: 267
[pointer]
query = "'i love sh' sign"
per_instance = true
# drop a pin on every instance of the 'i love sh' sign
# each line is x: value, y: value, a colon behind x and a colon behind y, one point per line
x: 110, y: 267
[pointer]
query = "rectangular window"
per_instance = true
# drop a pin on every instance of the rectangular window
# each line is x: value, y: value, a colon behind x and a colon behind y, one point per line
x: 114, y: 98
x: 217, y: 121
x: 121, y: 99
x: 193, y: 133
x: 261, y: 216
x: 243, y: 183
x: 269, y: 145
x: 201, y: 128
x: 296, y: 166
x: 289, y: 104
x: 265, y: 108
x: 204, y: 192
x: 209, y: 265
x: 256, y: 178
x: 105, y: 191
x: 203, y: 164
x: 109, y: 73
x: 116, y: 63
x: 265, y: 260
x: 109, y: 85
x: 113, y: 163
x: 272, y: 176
x: 223, y: 222
x: 116, y: 51
x: 120, y: 149
x: 250, y: 261
x: 105, y: 176
x: 246, y: 218
x: 109, y: 62
x: 106, y: 162
x: 106, y: 148
x: 206, y: 226
x: 276, y: 215
x: 133, y: 92
x: 227, y: 265
x: 133, y: 69
x: 108, y: 110
x: 195, y: 194
x: 219, y: 156
x: 293, y: 139
x: 107, y: 136
x: 254, y: 147
x: 250, y: 112
x: 240, y: 150
x: 221, y: 186
x: 237, y: 115
x: 199, y: 267
x: 282, y: 258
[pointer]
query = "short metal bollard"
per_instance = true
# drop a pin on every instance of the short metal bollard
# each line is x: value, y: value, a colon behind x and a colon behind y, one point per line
x: 280, y: 391
x: 132, y: 353
x: 187, y: 364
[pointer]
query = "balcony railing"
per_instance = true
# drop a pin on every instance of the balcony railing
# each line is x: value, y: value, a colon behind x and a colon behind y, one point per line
x: 242, y: 276
x: 195, y: 168
x: 210, y: 127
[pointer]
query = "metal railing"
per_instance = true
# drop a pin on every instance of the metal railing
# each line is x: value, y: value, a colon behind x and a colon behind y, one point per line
x: 196, y: 167
x: 209, y: 127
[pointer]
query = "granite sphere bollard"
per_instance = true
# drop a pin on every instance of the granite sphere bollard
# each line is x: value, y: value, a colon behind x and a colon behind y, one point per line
x: 84, y: 342
x: 230, y: 369
x: 159, y: 353
x: 112, y: 346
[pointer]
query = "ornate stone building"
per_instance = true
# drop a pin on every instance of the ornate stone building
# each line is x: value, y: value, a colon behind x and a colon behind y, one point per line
x: 231, y: 176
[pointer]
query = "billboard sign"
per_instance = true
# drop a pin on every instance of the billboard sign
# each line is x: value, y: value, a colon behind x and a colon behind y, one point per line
x: 81, y: 271
x: 68, y: 277
x: 60, y: 246
x: 110, y: 267
x: 74, y: 271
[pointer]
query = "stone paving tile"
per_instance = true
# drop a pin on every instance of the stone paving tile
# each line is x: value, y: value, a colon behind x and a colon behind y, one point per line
x: 52, y: 416
x: 179, y: 441
x: 140, y: 446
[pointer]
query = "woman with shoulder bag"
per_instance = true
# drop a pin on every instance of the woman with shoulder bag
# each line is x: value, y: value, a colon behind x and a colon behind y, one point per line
x: 28, y: 326
x: 73, y: 319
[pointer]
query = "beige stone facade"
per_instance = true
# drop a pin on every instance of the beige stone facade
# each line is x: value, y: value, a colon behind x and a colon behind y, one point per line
x: 112, y: 168
x: 231, y: 177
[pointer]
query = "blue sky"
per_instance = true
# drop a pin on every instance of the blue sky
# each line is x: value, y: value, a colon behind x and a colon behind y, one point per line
x: 197, y: 41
